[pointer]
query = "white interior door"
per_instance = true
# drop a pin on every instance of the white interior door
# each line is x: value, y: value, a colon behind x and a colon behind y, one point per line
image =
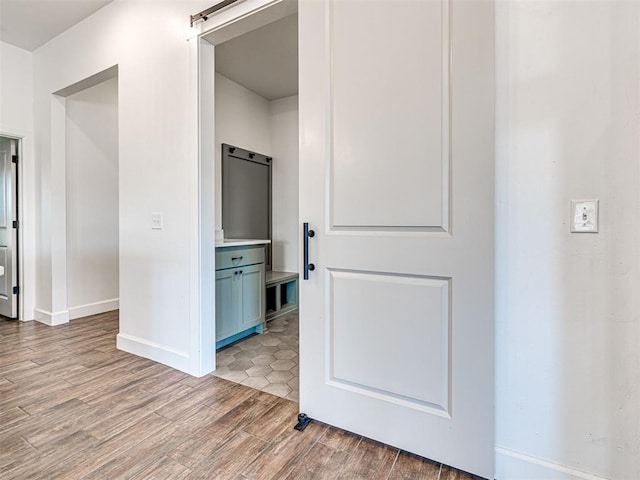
x: 396, y: 179
x: 8, y: 234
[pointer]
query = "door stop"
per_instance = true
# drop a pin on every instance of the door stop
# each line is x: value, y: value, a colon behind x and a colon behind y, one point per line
x: 303, y: 421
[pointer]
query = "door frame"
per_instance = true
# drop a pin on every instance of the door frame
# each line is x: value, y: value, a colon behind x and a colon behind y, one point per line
x: 59, y: 313
x: 108, y: 75
x: 224, y: 25
x: 26, y: 271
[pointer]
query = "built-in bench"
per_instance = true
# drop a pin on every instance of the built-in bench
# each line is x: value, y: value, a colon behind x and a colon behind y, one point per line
x: 282, y: 293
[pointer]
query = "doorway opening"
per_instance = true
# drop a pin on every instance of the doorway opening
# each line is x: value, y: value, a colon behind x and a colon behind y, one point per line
x: 84, y: 160
x: 254, y: 72
x: 9, y: 228
x: 92, y: 199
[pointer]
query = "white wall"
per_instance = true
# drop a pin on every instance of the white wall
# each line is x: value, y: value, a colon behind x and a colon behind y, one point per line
x: 567, y: 333
x: 92, y: 199
x: 568, y: 327
x: 161, y: 312
x: 16, y: 120
x: 283, y: 116
x: 242, y: 120
x: 16, y: 88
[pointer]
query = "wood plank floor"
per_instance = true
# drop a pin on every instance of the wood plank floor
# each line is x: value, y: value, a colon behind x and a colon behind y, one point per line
x: 73, y: 407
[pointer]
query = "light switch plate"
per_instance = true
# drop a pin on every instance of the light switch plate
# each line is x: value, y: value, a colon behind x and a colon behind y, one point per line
x: 156, y: 221
x: 584, y: 216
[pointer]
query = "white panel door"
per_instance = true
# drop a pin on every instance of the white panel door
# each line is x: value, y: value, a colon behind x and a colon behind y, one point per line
x: 8, y: 234
x: 396, y: 179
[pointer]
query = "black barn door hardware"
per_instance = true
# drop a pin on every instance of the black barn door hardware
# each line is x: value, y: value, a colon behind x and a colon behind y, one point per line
x: 204, y: 14
x: 306, y: 234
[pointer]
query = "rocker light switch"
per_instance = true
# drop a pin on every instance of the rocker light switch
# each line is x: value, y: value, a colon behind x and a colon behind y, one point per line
x: 156, y: 221
x: 584, y: 215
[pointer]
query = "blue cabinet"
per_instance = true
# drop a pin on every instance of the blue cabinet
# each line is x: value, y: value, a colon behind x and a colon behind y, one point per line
x: 240, y: 293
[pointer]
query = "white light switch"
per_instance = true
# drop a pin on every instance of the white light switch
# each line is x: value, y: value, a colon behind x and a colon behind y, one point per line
x: 156, y: 221
x: 584, y: 216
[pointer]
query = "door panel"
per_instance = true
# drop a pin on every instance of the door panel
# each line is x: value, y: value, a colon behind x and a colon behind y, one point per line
x: 253, y: 309
x: 372, y: 79
x: 8, y: 234
x: 365, y: 325
x: 5, y: 281
x: 396, y: 179
x: 5, y: 177
x: 226, y: 304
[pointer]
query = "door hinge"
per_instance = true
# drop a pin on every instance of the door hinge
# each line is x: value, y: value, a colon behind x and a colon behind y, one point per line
x: 14, y: 158
x: 16, y: 290
x: 16, y: 224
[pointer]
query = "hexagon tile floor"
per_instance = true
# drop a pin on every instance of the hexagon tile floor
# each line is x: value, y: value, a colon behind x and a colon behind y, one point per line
x: 267, y: 362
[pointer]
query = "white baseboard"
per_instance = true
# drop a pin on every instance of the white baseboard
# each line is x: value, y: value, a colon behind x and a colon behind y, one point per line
x: 511, y: 465
x: 49, y: 318
x: 153, y: 351
x: 94, y: 308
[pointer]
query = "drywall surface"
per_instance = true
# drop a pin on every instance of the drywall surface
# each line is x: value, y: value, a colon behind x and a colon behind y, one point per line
x: 16, y: 89
x: 283, y: 115
x: 568, y: 326
x: 160, y: 273
x: 16, y: 120
x: 92, y: 199
x: 242, y: 120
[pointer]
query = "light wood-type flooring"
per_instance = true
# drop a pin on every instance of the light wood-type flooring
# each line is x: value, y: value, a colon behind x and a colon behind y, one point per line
x: 74, y: 407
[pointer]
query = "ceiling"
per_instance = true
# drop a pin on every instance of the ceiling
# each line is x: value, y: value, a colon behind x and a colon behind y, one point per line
x: 29, y: 24
x: 264, y: 60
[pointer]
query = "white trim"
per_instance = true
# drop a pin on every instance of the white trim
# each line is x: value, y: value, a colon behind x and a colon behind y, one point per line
x: 203, y: 268
x: 222, y: 26
x: 58, y: 184
x: 51, y: 319
x: 242, y: 18
x: 512, y: 465
x: 156, y: 352
x: 94, y: 308
x: 26, y: 217
x: 57, y: 221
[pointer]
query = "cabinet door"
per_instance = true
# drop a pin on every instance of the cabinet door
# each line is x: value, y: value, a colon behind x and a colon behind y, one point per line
x: 253, y: 311
x: 227, y: 288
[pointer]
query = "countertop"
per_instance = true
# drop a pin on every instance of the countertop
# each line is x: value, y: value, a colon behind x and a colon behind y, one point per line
x: 238, y: 242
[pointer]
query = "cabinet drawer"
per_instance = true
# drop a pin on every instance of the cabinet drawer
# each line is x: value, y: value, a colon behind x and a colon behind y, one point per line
x: 230, y: 257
